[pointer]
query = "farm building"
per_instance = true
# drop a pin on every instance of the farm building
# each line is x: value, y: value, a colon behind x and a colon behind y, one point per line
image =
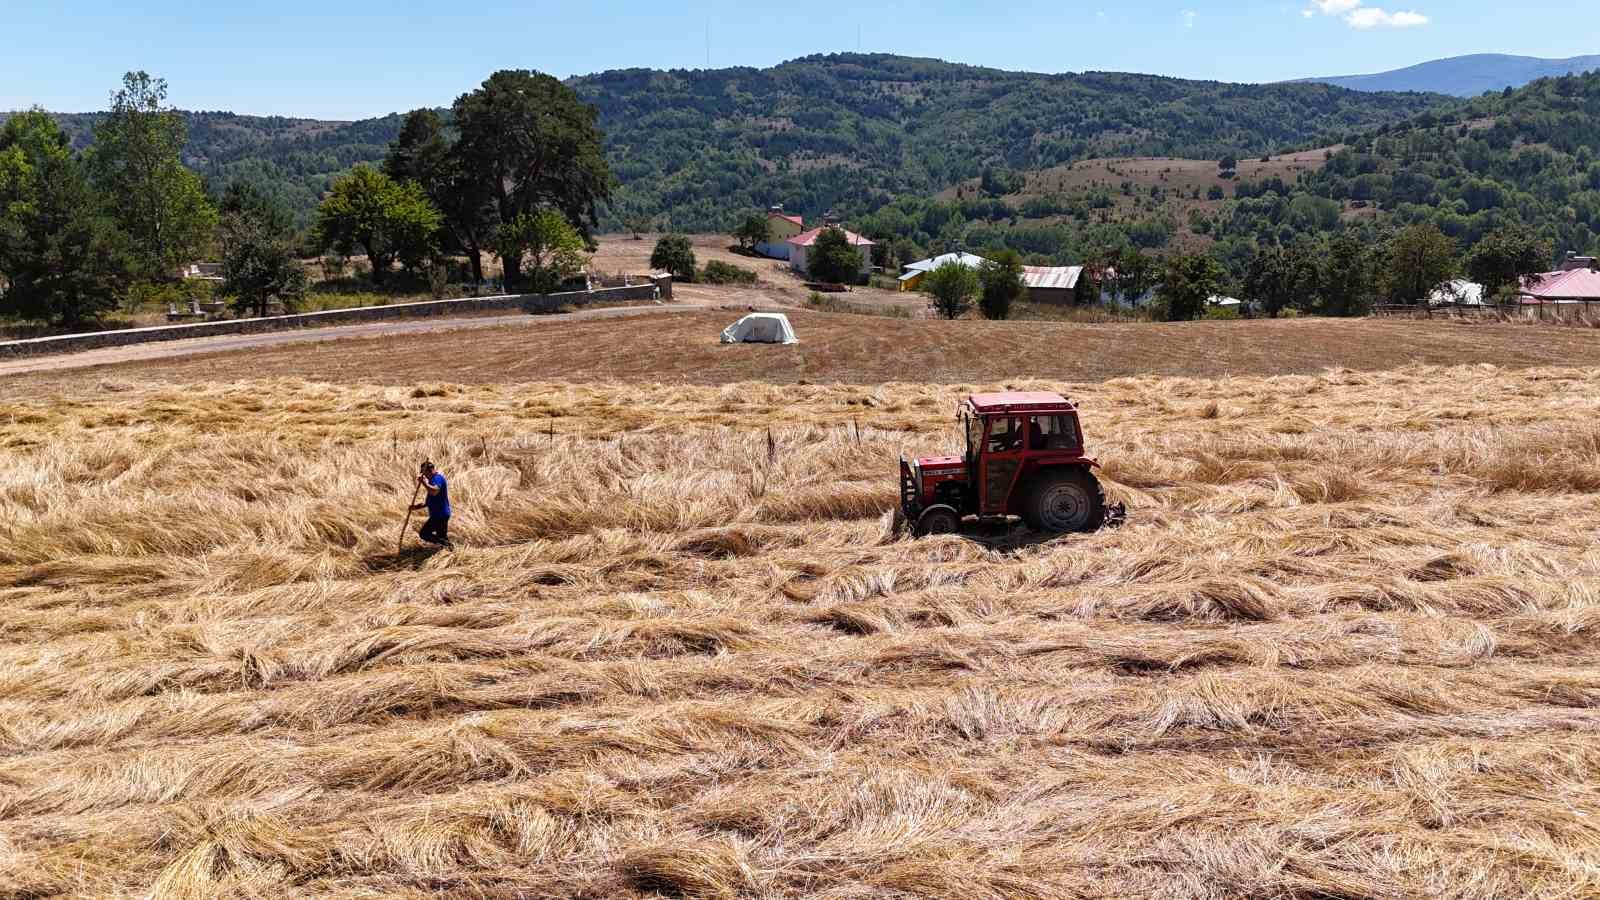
x: 1576, y: 287
x: 1051, y: 284
x: 800, y: 247
x: 911, y: 274
x: 780, y: 228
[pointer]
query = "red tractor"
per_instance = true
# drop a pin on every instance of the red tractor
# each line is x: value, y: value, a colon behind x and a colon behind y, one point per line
x: 1024, y: 457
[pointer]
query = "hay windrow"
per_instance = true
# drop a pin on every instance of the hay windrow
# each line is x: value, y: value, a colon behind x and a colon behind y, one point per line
x: 1347, y: 644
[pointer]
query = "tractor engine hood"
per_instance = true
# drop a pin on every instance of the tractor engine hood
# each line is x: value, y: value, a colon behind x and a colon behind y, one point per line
x: 940, y: 465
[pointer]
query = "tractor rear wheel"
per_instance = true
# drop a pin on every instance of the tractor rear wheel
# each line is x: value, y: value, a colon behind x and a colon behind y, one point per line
x: 1063, y: 501
x: 938, y: 520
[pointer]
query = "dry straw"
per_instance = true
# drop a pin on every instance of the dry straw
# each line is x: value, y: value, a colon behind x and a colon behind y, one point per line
x: 1346, y: 646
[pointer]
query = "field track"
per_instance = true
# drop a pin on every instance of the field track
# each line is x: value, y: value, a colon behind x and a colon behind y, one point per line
x: 1346, y: 645
x: 682, y: 347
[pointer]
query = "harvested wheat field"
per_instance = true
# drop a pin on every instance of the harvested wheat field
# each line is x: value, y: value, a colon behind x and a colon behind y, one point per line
x: 1345, y: 646
x: 861, y: 349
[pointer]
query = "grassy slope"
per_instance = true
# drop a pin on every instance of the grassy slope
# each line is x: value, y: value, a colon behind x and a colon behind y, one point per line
x: 1128, y: 183
x: 1344, y: 647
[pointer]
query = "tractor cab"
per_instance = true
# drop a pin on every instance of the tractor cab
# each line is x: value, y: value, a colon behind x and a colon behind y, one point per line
x: 1023, y: 456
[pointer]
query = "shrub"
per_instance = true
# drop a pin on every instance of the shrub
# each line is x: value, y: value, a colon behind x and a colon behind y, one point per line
x: 673, y: 254
x: 333, y: 266
x: 952, y: 286
x: 1001, y: 284
x: 152, y: 294
x: 718, y: 272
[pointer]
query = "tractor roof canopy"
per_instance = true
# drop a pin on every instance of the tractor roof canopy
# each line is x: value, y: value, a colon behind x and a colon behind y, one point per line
x: 1019, y: 402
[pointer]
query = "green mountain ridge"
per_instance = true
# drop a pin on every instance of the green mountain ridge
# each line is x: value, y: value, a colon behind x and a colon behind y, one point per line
x: 695, y: 149
x: 851, y: 131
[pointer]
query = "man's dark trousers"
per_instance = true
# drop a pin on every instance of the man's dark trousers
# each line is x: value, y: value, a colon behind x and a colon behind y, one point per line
x: 436, y: 530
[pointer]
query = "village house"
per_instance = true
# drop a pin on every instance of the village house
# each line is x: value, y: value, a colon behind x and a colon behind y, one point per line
x: 1576, y: 285
x: 780, y: 228
x: 911, y: 274
x: 800, y: 248
x: 1052, y: 284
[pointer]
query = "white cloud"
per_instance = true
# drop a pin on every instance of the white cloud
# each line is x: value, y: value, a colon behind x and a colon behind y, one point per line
x: 1357, y: 16
x: 1378, y: 17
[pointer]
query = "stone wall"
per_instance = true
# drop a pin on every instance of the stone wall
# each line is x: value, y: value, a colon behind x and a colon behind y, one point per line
x: 530, y: 303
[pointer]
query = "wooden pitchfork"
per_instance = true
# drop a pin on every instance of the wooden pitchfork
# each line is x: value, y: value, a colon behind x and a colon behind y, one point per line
x: 400, y: 545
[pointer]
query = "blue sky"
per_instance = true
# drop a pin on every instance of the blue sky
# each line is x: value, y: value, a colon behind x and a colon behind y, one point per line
x: 359, y: 58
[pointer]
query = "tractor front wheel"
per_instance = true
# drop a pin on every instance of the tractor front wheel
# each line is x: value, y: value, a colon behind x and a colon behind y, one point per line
x: 1064, y: 501
x: 938, y: 520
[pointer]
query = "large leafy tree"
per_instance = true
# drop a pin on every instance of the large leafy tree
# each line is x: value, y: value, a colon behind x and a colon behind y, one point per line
x: 952, y: 286
x: 673, y: 253
x: 1133, y: 274
x: 1346, y: 278
x: 420, y: 151
x: 1001, y: 284
x: 833, y: 259
x: 549, y: 249
x: 534, y: 145
x: 259, y: 262
x: 752, y: 231
x: 61, y: 258
x: 1420, y: 258
x: 136, y: 159
x: 424, y: 154
x: 1280, y: 278
x: 388, y: 220
x: 1504, y: 257
x: 1188, y: 282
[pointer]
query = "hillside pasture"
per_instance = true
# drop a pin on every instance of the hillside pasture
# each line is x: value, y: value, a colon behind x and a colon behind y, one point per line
x: 1151, y: 186
x: 1344, y: 646
x: 1176, y: 175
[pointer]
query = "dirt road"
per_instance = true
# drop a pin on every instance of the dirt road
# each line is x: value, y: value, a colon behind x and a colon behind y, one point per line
x: 224, y: 343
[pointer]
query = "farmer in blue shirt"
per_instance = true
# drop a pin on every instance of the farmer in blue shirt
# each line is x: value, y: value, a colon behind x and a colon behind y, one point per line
x: 437, y: 529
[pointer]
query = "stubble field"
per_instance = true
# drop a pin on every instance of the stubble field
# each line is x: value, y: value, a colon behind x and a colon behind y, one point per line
x: 1345, y: 646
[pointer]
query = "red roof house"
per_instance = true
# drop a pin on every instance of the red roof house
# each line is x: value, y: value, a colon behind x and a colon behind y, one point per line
x: 1568, y: 286
x: 800, y: 246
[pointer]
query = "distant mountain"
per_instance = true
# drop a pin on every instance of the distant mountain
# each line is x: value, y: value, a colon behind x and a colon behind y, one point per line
x: 1464, y: 76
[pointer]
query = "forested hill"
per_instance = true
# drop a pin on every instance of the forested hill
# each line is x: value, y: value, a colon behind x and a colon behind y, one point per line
x: 290, y: 159
x: 1532, y: 156
x: 846, y: 131
x: 849, y: 131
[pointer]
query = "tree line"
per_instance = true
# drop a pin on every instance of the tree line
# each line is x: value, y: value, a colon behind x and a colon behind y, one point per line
x: 78, y: 228
x: 517, y: 171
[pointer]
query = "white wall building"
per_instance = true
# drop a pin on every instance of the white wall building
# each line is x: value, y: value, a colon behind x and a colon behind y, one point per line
x: 800, y: 249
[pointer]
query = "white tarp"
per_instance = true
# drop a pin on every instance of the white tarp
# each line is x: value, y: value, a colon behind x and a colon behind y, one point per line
x: 1460, y: 292
x: 760, y: 328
